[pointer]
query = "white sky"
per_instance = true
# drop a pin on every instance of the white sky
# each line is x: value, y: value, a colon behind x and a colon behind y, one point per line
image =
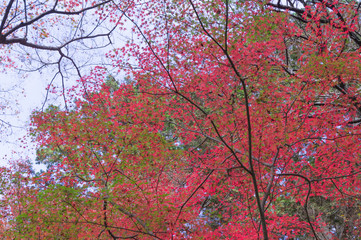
x: 28, y: 93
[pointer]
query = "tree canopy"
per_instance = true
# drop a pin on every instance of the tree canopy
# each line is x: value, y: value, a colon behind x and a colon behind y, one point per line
x: 235, y: 120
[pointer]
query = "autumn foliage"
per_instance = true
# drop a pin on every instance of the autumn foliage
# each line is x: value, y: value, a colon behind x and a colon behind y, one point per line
x: 237, y: 120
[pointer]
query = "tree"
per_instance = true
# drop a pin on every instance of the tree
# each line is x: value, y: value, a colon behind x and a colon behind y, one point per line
x: 55, y: 37
x: 241, y: 122
x: 114, y: 179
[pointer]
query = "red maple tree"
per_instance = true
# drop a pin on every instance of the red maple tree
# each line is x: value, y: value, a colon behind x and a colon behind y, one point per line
x: 241, y: 121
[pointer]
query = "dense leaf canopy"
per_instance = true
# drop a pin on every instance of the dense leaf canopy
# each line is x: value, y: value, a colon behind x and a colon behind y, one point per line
x: 236, y: 120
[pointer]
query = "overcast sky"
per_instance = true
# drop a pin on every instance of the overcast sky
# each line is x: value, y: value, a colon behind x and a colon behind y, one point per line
x: 26, y: 93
